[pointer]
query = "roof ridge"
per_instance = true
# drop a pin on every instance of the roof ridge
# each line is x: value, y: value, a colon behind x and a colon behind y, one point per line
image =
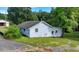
x: 28, y: 24
x: 27, y: 21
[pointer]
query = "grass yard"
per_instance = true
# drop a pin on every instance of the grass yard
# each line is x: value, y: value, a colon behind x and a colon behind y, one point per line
x: 43, y: 41
x: 3, y: 29
x: 69, y: 38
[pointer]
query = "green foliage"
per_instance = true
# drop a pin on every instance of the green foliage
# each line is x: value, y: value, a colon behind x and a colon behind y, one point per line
x: 12, y: 32
x: 68, y: 39
x: 73, y: 35
x: 65, y: 18
x: 43, y: 41
x: 3, y: 29
x: 20, y: 14
x: 43, y: 15
x: 3, y: 16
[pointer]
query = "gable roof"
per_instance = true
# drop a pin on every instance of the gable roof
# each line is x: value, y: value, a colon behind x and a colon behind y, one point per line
x: 28, y: 24
x: 1, y: 20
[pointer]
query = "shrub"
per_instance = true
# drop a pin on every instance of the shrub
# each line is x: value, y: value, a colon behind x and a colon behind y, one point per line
x: 12, y: 32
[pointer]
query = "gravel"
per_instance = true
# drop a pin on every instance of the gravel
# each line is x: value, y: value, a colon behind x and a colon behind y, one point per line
x: 7, y: 45
x: 12, y: 46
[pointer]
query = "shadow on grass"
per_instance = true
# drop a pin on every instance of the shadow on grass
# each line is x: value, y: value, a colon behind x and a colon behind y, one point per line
x: 72, y: 36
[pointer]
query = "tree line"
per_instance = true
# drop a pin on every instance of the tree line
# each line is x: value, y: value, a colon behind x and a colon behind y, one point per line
x: 64, y: 17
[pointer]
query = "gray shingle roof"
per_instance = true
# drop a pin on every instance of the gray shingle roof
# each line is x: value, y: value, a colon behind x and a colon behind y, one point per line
x: 28, y: 24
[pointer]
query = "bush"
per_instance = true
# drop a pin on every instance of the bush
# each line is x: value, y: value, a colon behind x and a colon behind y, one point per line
x: 13, y: 32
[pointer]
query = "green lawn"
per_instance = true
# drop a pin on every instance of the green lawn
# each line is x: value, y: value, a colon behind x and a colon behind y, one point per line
x: 43, y: 41
x: 73, y: 38
x: 3, y: 29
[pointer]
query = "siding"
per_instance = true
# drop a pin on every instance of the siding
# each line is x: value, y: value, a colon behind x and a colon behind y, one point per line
x: 44, y: 31
x: 25, y: 32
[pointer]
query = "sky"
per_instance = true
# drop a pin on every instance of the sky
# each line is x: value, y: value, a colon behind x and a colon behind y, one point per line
x: 47, y: 9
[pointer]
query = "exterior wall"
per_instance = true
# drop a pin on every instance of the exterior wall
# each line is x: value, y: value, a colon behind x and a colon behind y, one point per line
x: 44, y: 31
x: 59, y: 32
x: 25, y: 32
x: 2, y: 24
x: 7, y: 24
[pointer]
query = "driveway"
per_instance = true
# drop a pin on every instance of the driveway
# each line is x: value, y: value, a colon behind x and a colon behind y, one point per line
x: 10, y: 46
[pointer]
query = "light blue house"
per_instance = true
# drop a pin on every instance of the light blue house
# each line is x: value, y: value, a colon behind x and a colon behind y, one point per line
x: 39, y: 29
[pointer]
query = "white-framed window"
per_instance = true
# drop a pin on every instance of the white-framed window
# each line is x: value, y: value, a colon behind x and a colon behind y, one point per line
x: 36, y: 29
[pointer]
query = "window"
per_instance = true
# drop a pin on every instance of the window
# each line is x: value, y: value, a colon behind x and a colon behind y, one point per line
x: 52, y: 32
x: 36, y: 30
x: 24, y: 29
x: 56, y: 31
x: 2, y: 24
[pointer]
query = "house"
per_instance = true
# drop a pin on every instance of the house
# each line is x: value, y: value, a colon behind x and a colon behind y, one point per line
x: 4, y: 23
x: 39, y: 29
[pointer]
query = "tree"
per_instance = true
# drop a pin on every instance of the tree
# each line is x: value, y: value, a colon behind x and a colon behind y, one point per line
x: 64, y: 18
x: 12, y: 32
x: 42, y: 15
x: 34, y: 16
x: 2, y: 16
x: 20, y: 14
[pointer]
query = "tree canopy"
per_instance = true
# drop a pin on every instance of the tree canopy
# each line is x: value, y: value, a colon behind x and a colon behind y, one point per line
x: 20, y: 14
x: 3, y: 16
x: 64, y: 17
